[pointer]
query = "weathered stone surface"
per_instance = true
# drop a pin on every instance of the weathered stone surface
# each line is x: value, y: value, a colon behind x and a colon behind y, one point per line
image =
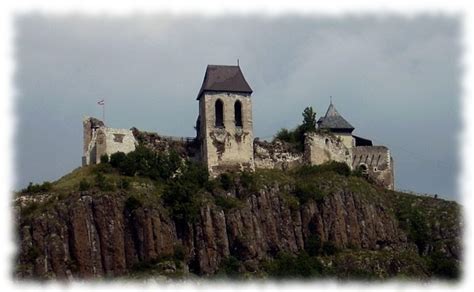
x: 276, y: 155
x: 95, y: 235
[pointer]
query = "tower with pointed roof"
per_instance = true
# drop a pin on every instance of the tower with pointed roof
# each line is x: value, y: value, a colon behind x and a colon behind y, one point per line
x: 224, y: 125
x: 336, y: 124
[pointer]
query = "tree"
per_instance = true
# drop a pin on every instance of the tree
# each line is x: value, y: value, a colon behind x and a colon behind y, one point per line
x: 296, y: 136
x: 309, y: 120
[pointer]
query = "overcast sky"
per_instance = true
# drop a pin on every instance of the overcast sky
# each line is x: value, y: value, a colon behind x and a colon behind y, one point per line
x: 395, y: 79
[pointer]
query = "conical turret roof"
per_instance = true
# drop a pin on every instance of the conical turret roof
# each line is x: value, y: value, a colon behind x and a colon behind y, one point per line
x: 334, y: 121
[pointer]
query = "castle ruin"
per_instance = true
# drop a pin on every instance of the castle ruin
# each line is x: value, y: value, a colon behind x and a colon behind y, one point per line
x: 225, y: 142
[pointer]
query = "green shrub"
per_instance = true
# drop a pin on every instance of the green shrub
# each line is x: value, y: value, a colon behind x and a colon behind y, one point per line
x: 182, y: 198
x: 102, y: 168
x: 211, y: 185
x: 329, y: 248
x: 288, y: 266
x: 294, y: 137
x: 103, y: 183
x: 84, y: 185
x: 443, y: 267
x: 38, y: 188
x: 30, y: 209
x: 104, y: 158
x: 124, y: 184
x: 227, y: 203
x: 291, y: 201
x: 415, y: 223
x: 147, y: 163
x: 248, y: 181
x: 195, y: 173
x: 313, y: 245
x: 338, y: 167
x: 179, y: 253
x: 132, y: 203
x: 117, y: 159
x: 306, y: 190
x: 226, y: 181
x: 230, y: 266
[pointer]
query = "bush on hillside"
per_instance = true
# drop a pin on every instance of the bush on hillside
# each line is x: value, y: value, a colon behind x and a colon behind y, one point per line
x: 288, y: 266
x: 104, y: 158
x: 296, y: 136
x: 38, y: 188
x: 183, y: 194
x: 313, y: 245
x: 117, y: 159
x: 147, y: 163
x: 306, y: 190
x: 84, y: 185
x: 103, y: 183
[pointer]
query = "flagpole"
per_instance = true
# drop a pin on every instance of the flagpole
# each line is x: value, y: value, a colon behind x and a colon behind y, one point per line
x: 103, y: 111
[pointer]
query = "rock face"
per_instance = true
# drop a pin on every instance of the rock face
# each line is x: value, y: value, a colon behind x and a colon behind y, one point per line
x: 92, y: 234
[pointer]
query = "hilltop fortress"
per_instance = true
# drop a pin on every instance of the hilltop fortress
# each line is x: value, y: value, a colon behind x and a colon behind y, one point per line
x: 225, y: 142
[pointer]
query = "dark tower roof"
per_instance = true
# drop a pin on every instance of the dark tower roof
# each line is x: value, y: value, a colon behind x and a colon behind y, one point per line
x: 224, y: 78
x: 334, y: 121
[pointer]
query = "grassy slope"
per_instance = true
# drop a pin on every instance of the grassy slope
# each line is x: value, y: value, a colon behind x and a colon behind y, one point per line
x: 433, y: 212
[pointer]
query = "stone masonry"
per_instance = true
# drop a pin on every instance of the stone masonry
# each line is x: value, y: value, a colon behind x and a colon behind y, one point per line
x: 225, y: 142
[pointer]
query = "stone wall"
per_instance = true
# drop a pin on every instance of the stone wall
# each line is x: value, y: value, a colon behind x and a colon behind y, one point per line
x: 324, y: 147
x: 346, y: 139
x: 377, y: 162
x: 100, y: 140
x: 227, y: 148
x: 186, y: 147
x: 115, y: 140
x: 276, y: 155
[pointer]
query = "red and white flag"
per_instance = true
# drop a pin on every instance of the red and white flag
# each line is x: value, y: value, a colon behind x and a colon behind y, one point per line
x: 101, y: 102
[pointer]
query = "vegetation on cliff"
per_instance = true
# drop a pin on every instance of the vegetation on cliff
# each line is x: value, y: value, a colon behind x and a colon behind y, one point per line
x: 149, y: 214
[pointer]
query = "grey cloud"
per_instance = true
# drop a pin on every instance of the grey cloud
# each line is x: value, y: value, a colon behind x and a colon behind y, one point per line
x: 397, y: 80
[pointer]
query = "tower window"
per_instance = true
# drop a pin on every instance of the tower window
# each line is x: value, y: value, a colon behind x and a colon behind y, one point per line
x: 238, y: 113
x: 219, y: 109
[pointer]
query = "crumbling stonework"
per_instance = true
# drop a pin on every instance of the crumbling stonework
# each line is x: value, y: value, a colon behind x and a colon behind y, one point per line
x: 228, y: 146
x: 186, y: 147
x: 321, y: 148
x: 225, y: 141
x: 100, y: 140
x: 377, y: 162
x: 276, y: 155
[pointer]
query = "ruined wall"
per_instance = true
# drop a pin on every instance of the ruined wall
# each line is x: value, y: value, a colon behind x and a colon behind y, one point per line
x: 377, y: 162
x: 346, y: 139
x: 110, y: 141
x: 276, y: 155
x: 100, y: 140
x: 321, y: 148
x: 186, y: 147
x: 90, y: 126
x: 228, y: 147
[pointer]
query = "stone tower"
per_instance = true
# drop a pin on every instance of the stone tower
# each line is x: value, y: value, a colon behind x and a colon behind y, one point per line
x: 224, y: 126
x: 335, y: 123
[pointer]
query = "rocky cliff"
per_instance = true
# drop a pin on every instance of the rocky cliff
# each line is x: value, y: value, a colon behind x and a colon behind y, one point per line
x: 351, y: 228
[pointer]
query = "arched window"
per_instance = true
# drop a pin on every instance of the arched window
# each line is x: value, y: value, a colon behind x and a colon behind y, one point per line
x: 363, y: 168
x: 238, y: 113
x: 219, y: 109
